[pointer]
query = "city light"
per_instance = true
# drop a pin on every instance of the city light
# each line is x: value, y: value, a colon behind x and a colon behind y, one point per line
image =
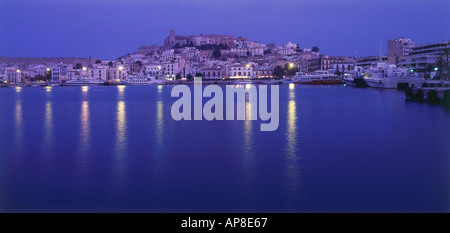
x: 291, y: 65
x: 17, y: 70
x: 18, y: 89
x: 48, y: 88
x: 120, y: 67
x: 291, y: 85
x: 84, y: 68
x: 84, y: 88
x: 248, y: 65
x: 435, y: 68
x: 48, y: 69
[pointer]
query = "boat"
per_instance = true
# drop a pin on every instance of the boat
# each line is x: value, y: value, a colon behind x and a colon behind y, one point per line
x: 354, y: 78
x: 142, y: 80
x: 83, y: 82
x: 390, y: 77
x: 315, y: 78
x: 243, y: 81
x: 287, y: 80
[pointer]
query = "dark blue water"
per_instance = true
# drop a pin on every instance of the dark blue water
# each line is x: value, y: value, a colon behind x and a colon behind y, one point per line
x: 111, y: 149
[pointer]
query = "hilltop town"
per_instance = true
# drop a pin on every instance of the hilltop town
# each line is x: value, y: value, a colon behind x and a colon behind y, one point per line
x: 217, y: 57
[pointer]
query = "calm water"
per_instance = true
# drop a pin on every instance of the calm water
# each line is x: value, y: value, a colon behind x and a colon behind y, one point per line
x: 118, y: 149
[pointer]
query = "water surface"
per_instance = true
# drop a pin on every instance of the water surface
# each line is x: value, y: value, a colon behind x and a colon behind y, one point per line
x: 117, y: 149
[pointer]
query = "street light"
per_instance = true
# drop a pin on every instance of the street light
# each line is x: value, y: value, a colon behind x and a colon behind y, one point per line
x: 120, y: 67
x: 291, y: 65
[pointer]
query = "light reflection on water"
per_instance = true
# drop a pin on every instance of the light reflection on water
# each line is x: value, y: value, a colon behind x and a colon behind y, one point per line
x: 292, y: 182
x: 48, y: 127
x: 248, y: 156
x: 120, y: 147
x: 18, y: 136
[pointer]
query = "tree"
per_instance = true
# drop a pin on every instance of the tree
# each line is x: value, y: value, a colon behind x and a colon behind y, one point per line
x: 98, y: 62
x: 110, y: 63
x: 290, y: 71
x: 198, y: 75
x: 78, y: 66
x: 217, y: 54
x: 139, y: 63
x: 279, y: 71
x: 48, y: 75
x: 267, y: 51
x: 189, y: 76
x: 315, y: 49
x: 178, y: 76
x: 248, y: 54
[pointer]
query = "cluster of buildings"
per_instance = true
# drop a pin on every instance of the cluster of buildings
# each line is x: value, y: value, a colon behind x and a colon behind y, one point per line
x: 215, y: 56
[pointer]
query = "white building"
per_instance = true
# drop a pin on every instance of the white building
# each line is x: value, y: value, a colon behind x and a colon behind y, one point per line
x: 59, y: 73
x: 240, y: 71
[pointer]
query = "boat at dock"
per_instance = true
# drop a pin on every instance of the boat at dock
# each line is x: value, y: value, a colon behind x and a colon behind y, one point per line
x: 319, y: 77
x: 390, y: 77
x: 142, y: 80
x: 83, y: 82
x: 243, y: 81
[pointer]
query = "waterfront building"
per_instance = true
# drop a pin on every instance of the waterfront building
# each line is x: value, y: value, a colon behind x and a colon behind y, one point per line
x: 438, y: 48
x: 213, y: 73
x: 59, y: 73
x: 398, y: 48
x: 240, y: 71
x: 153, y: 69
x: 263, y: 72
x: 97, y: 73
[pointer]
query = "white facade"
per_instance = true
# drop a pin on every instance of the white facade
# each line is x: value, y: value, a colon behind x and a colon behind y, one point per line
x: 240, y: 71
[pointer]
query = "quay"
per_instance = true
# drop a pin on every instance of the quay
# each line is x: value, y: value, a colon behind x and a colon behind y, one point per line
x: 431, y: 94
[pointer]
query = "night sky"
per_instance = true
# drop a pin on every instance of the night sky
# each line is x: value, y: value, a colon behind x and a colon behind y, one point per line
x: 108, y: 29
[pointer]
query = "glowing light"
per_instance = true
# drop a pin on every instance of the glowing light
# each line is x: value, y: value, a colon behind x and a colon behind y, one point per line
x: 248, y: 65
x: 48, y: 69
x: 345, y: 85
x: 291, y: 65
x: 120, y: 67
x: 48, y: 88
x: 291, y: 85
x: 84, y: 88
x: 159, y: 67
x: 248, y: 85
x: 17, y: 70
x: 84, y: 68
x: 18, y: 89
x: 435, y: 68
x: 121, y: 88
x: 160, y: 87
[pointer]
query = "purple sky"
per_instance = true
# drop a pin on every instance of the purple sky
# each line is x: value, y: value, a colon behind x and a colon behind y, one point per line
x: 109, y: 28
